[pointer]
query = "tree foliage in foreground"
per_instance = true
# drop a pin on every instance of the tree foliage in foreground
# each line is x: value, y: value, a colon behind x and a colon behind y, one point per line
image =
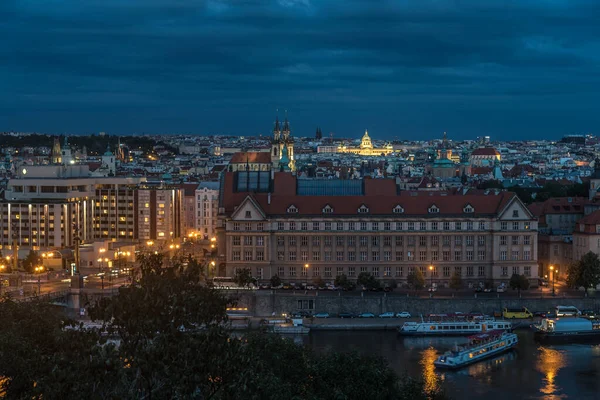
x: 174, y: 344
x: 585, y: 272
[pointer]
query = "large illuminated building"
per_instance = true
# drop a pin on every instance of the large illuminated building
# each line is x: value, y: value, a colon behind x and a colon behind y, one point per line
x: 366, y: 148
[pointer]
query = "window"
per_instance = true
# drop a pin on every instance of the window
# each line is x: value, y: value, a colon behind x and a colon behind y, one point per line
x: 292, y: 210
x: 446, y: 226
x: 247, y: 240
x: 364, y: 241
x: 503, y: 240
x: 504, y: 271
x: 316, y: 271
x: 411, y: 226
x: 387, y: 271
x: 363, y: 226
x: 375, y: 271
x: 236, y: 226
x: 458, y: 226
x: 398, y: 226
x: 435, y: 240
x: 458, y: 240
x: 422, y: 255
x: 468, y: 209
x: 363, y: 209
x: 351, y: 226
x: 374, y: 240
x: 316, y: 256
x: 411, y: 270
x: 469, y: 240
x: 527, y: 271
x: 434, y: 255
x: 434, y: 226
x: 327, y: 240
x: 316, y: 241
x: 399, y: 271
x: 503, y: 226
x: 339, y: 226
x: 446, y: 255
x: 503, y: 255
x: 351, y: 256
x: 470, y: 226
x: 248, y: 213
x: 481, y: 270
x: 433, y: 209
x: 292, y: 255
x: 260, y: 240
x: 481, y: 255
x: 446, y: 271
x: 515, y: 213
x: 327, y: 226
x: 526, y: 225
x: 422, y: 269
x: 291, y: 240
x: 281, y: 271
x: 515, y: 226
x: 398, y: 209
x: 363, y: 256
x: 351, y: 271
x: 328, y: 272
x: 458, y: 271
x: 248, y: 255
x: 260, y: 226
x: 515, y: 255
x: 316, y: 226
x: 526, y: 255
x: 434, y: 271
x: 339, y: 271
x: 422, y: 226
x: 469, y: 255
x: 375, y: 255
x: 280, y: 255
x: 235, y: 240
x: 515, y: 240
x: 339, y: 256
x: 292, y: 271
x: 422, y: 241
x: 327, y: 209
x: 469, y: 271
x: 387, y: 240
x: 457, y: 255
x: 481, y: 240
x: 280, y: 226
x: 374, y: 226
x: 527, y: 240
x: 304, y: 226
x: 292, y: 226
x: 339, y: 240
x: 387, y: 255
x: 515, y: 270
x: 235, y: 255
x: 410, y: 255
x: 482, y: 226
x: 351, y: 241
x: 327, y: 255
x: 411, y: 240
x: 446, y: 240
x: 387, y: 226
x: 399, y: 256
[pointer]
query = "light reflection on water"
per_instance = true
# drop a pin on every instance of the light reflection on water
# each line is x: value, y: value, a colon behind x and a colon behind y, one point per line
x: 550, y: 361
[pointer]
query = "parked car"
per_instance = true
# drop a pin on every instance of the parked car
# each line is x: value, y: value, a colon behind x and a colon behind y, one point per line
x: 590, y: 314
x: 478, y: 289
x: 540, y: 314
x: 403, y: 314
x: 301, y: 314
x: 264, y: 286
x: 501, y: 289
x: 322, y: 315
x: 311, y: 287
x: 543, y: 282
x: 432, y: 289
x: 287, y: 286
x: 487, y: 290
x: 388, y: 314
x: 366, y: 315
x: 347, y: 315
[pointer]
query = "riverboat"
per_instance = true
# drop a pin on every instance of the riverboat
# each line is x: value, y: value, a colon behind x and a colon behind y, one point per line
x: 479, y: 347
x: 452, y: 327
x: 561, y: 330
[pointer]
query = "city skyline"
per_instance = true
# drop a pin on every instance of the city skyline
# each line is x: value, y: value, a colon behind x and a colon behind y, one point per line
x: 402, y: 70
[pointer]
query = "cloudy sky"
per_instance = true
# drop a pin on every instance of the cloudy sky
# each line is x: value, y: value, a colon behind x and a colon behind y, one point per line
x: 511, y: 69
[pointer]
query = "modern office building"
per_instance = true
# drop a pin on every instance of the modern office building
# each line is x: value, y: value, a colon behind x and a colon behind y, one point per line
x: 299, y: 229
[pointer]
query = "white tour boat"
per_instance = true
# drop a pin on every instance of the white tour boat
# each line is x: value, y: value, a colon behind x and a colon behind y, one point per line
x: 453, y: 327
x: 480, y: 347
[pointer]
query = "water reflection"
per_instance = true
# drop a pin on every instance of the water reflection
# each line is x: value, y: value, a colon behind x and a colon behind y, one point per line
x: 429, y: 376
x: 442, y: 343
x: 549, y: 362
x: 487, y: 367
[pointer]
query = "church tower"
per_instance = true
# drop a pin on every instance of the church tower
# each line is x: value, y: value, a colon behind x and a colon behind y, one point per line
x: 282, y: 137
x: 109, y: 162
x: 67, y: 156
x: 56, y: 154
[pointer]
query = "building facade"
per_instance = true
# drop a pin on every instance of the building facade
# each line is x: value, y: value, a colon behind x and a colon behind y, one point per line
x: 207, y: 207
x: 303, y: 229
x: 366, y: 148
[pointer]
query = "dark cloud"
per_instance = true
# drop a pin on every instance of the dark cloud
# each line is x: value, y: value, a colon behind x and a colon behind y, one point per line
x: 407, y: 69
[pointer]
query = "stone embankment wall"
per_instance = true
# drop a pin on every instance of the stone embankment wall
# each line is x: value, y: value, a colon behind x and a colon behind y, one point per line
x: 264, y: 303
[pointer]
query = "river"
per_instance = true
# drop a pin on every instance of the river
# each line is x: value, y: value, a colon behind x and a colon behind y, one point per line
x: 531, y: 371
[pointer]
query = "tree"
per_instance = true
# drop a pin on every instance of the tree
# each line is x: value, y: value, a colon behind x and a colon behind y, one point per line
x: 174, y: 345
x: 368, y: 281
x: 416, y: 280
x: 519, y: 282
x: 456, y: 281
x: 243, y: 277
x: 275, y: 281
x: 31, y: 261
x: 585, y: 272
x: 319, y: 282
x: 343, y: 282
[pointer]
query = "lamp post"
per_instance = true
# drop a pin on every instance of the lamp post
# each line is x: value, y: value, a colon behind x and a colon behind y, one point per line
x: 2, y: 268
x: 38, y: 270
x: 431, y: 277
x: 552, y: 271
x: 306, y: 266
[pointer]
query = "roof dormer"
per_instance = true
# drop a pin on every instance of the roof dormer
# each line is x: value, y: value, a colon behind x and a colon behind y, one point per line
x: 363, y: 209
x: 327, y: 209
x: 292, y: 209
x: 398, y: 209
x: 468, y: 209
x: 433, y: 209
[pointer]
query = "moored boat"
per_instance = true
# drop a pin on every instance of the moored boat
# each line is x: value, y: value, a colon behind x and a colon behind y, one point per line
x: 561, y: 330
x: 452, y: 328
x: 480, y: 347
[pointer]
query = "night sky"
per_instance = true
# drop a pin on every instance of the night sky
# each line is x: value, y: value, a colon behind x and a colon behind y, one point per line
x: 512, y: 69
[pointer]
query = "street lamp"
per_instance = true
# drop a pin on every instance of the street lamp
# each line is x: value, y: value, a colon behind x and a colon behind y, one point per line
x: 306, y: 266
x: 431, y: 277
x: 552, y: 270
x: 38, y: 270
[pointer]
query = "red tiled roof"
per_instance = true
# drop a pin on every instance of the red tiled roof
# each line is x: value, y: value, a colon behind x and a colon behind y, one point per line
x: 252, y: 157
x: 381, y: 197
x: 590, y: 219
x: 485, y: 151
x: 559, y: 205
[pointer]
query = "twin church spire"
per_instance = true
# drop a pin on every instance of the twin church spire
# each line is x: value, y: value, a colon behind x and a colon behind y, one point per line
x: 282, y: 145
